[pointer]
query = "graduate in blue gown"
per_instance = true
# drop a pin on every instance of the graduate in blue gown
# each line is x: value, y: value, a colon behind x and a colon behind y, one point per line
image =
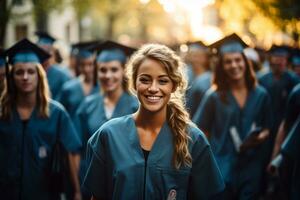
x: 2, y: 70
x: 114, y: 100
x: 200, y: 85
x: 56, y: 75
x: 155, y: 153
x: 30, y: 125
x: 288, y: 159
x: 278, y: 81
x: 235, y: 115
x: 290, y: 149
x: 292, y: 111
x: 197, y: 60
x: 74, y: 91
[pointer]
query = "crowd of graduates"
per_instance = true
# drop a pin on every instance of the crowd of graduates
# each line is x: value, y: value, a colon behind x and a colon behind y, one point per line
x: 235, y: 135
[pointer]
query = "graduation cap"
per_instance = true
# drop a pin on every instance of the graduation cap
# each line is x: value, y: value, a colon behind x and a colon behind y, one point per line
x: 2, y: 58
x: 83, y: 50
x: 26, y: 51
x: 196, y: 45
x: 229, y: 44
x: 108, y: 51
x: 279, y: 50
x: 45, y: 38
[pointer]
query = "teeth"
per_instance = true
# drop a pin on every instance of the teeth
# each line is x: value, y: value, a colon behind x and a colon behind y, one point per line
x: 153, y: 97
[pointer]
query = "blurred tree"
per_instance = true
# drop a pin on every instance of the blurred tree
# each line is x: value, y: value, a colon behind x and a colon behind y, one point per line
x: 82, y: 8
x: 113, y: 10
x: 41, y: 10
x: 5, y: 10
x: 284, y: 13
x: 247, y: 18
x: 128, y: 17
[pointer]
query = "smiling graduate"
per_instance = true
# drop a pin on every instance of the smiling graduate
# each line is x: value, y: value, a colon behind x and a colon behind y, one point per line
x: 231, y: 110
x: 155, y: 153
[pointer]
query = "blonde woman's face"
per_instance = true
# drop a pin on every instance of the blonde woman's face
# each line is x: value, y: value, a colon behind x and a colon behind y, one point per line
x: 153, y: 86
x: 110, y: 75
x: 25, y: 77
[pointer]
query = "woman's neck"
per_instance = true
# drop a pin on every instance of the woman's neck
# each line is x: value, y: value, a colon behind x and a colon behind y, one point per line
x: 86, y: 79
x: 114, y: 96
x: 238, y: 84
x: 26, y: 100
x: 150, y: 120
x: 25, y: 105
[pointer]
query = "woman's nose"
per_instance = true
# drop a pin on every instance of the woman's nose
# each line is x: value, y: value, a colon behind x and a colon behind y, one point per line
x: 153, y: 87
x: 25, y: 75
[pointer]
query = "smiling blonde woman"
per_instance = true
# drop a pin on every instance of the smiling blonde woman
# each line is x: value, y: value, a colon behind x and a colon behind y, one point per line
x: 155, y: 153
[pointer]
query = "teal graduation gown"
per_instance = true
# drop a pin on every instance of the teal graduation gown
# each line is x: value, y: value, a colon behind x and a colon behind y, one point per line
x: 278, y: 90
x: 91, y: 115
x: 117, y: 166
x: 291, y: 148
x: 56, y: 78
x: 293, y: 107
x: 200, y: 85
x: 72, y: 95
x: 217, y: 117
x: 25, y: 150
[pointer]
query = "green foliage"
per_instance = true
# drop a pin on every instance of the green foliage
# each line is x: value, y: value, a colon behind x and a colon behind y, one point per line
x: 82, y: 7
x: 280, y: 9
x: 284, y: 13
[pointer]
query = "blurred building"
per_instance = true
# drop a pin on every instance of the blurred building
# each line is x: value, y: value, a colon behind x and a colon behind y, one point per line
x: 61, y: 24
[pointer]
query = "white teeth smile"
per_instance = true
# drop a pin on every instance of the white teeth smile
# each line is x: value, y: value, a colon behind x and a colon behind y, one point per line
x: 153, y: 97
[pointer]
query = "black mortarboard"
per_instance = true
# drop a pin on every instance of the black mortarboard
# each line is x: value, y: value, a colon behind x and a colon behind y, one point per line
x: 83, y: 49
x: 196, y: 45
x: 109, y: 50
x: 279, y: 50
x: 229, y: 44
x: 26, y: 51
x: 44, y: 38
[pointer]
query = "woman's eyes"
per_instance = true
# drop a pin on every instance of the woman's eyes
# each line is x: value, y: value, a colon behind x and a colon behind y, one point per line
x: 160, y: 81
x: 163, y: 81
x: 144, y: 80
x: 31, y: 71
x: 114, y: 69
x: 21, y: 72
x: 105, y: 70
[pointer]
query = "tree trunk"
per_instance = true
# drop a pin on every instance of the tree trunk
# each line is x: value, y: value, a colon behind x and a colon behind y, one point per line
x: 41, y: 20
x: 4, y: 16
x: 110, y: 29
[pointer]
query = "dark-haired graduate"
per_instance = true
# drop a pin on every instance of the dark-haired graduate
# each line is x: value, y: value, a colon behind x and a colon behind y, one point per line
x: 199, y: 77
x: 155, y: 153
x: 30, y: 125
x: 279, y: 82
x: 56, y: 75
x: 74, y: 91
x: 235, y: 116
